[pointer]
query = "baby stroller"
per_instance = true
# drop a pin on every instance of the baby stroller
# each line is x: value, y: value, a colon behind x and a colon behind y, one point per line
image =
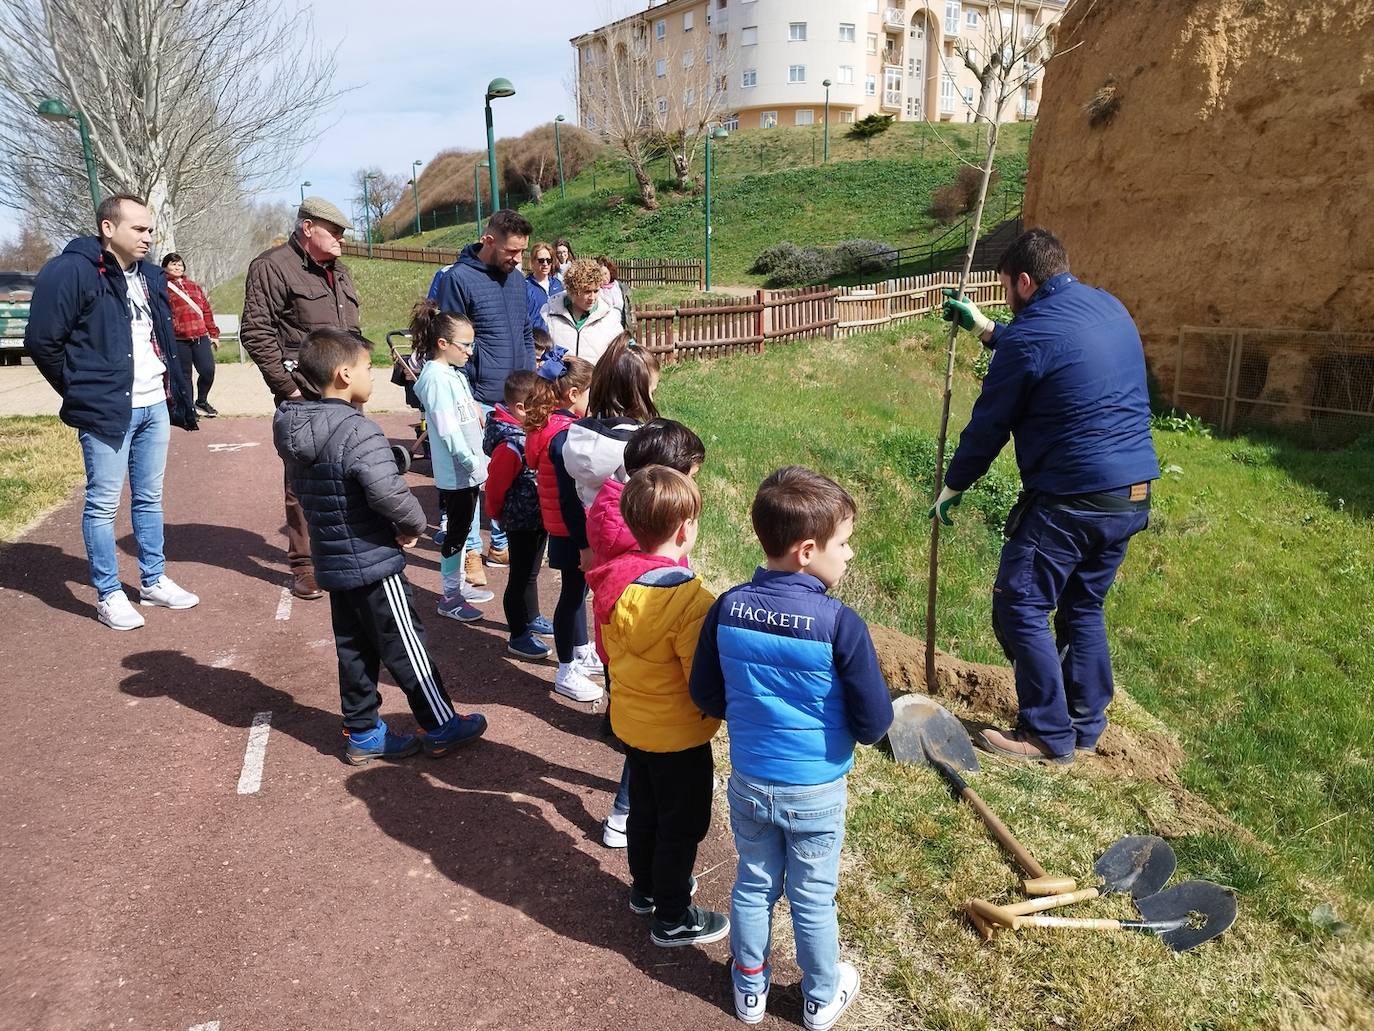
x: 405, y: 370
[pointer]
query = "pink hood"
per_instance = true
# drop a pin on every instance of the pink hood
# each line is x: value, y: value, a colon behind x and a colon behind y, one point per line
x: 607, y: 534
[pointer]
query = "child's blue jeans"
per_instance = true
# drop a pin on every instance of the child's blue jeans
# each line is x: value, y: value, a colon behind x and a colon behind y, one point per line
x: 788, y: 838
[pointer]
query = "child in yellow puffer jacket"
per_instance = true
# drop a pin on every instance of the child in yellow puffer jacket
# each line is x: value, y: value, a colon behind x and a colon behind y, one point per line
x: 650, y: 610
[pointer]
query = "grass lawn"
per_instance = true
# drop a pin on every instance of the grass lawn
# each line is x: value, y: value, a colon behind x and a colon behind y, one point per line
x: 1240, y: 620
x: 40, y: 465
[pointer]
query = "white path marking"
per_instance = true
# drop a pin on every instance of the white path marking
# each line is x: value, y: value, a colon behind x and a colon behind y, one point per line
x: 212, y: 1026
x: 251, y: 777
x: 284, y: 606
x: 222, y: 449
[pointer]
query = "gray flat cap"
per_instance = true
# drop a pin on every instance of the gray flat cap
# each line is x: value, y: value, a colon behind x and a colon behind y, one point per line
x: 321, y: 209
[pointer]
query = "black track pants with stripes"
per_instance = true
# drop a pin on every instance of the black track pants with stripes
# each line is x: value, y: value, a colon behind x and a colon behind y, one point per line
x: 374, y: 626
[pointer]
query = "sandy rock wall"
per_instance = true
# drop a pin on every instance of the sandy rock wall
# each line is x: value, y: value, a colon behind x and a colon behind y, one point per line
x: 1234, y: 185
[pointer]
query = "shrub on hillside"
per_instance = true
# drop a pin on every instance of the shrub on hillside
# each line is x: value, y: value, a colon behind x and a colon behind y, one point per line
x: 764, y: 264
x: 853, y: 257
x: 959, y: 197
x: 872, y: 125
x: 801, y: 266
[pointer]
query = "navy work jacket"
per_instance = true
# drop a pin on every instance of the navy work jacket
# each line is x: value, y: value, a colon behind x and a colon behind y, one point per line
x: 1067, y: 381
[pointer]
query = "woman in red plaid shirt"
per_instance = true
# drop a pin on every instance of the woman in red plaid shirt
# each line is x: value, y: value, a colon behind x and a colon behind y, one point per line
x: 193, y: 323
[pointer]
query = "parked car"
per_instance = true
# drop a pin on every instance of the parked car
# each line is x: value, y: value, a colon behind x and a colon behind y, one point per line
x: 16, y: 290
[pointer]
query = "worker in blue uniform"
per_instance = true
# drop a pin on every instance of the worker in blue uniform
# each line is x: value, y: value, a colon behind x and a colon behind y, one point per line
x: 1067, y: 384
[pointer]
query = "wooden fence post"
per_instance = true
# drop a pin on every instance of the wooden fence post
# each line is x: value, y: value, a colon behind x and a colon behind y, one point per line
x: 760, y: 323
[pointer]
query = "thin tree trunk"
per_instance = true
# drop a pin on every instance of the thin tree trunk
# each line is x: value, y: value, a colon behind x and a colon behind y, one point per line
x: 647, y: 193
x: 164, y: 216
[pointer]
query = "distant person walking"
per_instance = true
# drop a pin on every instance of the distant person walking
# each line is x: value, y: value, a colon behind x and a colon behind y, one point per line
x: 610, y: 283
x: 100, y: 331
x: 293, y: 289
x: 486, y: 286
x: 1067, y: 383
x: 541, y: 284
x: 194, y: 325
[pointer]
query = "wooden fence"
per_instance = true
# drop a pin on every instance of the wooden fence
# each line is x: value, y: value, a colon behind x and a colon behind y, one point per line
x: 644, y: 271
x: 710, y: 329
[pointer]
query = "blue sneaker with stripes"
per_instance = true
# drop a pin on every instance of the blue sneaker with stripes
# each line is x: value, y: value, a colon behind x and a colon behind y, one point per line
x: 460, y: 730
x: 540, y: 625
x: 360, y: 748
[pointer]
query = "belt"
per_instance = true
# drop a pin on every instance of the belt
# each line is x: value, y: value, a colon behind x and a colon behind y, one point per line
x: 1133, y: 498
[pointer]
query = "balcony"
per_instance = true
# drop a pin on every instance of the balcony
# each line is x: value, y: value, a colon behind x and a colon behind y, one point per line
x: 719, y: 19
x: 892, y: 100
x: 892, y: 55
x: 894, y: 18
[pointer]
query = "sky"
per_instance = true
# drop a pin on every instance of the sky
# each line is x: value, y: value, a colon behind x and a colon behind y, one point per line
x: 416, y: 73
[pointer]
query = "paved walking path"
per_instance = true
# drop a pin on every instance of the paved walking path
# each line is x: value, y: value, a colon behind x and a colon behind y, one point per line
x: 145, y: 889
x: 237, y: 390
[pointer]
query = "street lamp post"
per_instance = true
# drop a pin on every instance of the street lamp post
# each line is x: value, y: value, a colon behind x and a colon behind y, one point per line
x: 558, y: 148
x: 477, y: 193
x: 303, y: 186
x: 719, y: 133
x: 54, y: 110
x: 495, y: 88
x: 825, y: 150
x: 367, y: 210
x: 415, y: 190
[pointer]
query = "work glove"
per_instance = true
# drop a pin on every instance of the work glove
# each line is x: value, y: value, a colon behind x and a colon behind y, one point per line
x: 948, y: 500
x: 965, y: 312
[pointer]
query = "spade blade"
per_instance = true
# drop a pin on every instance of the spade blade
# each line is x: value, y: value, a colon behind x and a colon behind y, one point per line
x: 1138, y: 865
x: 1209, y: 909
x: 923, y: 731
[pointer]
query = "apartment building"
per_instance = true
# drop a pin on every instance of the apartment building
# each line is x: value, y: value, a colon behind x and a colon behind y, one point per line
x: 771, y: 58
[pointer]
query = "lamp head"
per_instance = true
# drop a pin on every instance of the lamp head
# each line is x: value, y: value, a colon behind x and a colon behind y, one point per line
x: 500, y: 88
x: 719, y: 133
x: 825, y: 83
x: 560, y: 118
x: 54, y: 110
x: 307, y: 183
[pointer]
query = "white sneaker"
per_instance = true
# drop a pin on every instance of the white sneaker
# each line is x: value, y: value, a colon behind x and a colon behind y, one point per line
x: 750, y: 1006
x: 168, y: 595
x: 588, y: 661
x: 613, y: 830
x: 821, y: 1018
x: 118, y: 613
x: 475, y: 595
x: 572, y: 683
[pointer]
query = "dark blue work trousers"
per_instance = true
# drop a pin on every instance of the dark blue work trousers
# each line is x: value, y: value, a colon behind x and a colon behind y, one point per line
x: 1062, y: 561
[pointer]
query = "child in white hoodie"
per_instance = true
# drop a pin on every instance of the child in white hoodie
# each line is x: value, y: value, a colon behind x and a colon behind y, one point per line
x: 445, y: 340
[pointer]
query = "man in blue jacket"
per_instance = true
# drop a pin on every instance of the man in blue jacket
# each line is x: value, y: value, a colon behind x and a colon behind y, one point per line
x: 487, y: 286
x: 1067, y: 383
x: 100, y: 331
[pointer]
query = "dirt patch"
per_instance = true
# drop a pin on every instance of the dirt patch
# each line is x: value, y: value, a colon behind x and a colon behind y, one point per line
x: 984, y: 695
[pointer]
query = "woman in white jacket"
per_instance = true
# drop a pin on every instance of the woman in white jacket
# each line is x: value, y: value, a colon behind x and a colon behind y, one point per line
x: 580, y: 319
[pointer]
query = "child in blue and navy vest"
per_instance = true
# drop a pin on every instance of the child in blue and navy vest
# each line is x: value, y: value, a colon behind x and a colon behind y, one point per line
x: 794, y: 675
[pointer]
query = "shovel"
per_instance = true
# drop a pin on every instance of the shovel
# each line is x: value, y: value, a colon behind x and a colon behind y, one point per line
x: 924, y: 731
x: 1139, y: 866
x: 1184, y: 916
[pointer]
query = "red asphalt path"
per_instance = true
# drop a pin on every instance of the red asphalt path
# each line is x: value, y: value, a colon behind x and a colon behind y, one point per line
x: 140, y: 890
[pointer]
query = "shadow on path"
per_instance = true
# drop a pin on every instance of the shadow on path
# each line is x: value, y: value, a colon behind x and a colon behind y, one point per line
x: 222, y: 547
x: 47, y: 573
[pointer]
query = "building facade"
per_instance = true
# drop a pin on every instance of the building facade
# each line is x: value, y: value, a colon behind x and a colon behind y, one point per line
x: 905, y: 58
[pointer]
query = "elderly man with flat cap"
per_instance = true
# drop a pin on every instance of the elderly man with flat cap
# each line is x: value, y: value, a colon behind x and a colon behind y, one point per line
x: 293, y: 289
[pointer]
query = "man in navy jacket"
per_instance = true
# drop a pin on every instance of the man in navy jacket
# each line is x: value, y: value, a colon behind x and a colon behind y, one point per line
x: 1067, y: 383
x: 487, y: 286
x: 100, y: 331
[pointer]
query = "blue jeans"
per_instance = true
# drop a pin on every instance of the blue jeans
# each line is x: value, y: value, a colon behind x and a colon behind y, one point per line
x: 141, y: 457
x: 1062, y: 561
x: 788, y: 838
x: 498, y: 535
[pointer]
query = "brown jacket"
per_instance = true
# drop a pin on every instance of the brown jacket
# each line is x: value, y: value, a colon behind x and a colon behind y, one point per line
x: 286, y: 296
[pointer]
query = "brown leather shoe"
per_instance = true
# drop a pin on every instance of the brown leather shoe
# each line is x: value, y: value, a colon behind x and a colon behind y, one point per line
x: 473, y: 569
x: 1017, y: 744
x: 303, y: 586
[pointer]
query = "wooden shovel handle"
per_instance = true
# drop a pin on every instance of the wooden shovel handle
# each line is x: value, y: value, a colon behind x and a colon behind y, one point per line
x: 1068, y: 923
x: 1004, y: 837
x: 1030, y: 906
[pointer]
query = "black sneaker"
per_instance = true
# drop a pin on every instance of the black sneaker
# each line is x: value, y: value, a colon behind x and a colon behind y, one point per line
x: 697, y: 927
x: 206, y: 409
x: 642, y: 904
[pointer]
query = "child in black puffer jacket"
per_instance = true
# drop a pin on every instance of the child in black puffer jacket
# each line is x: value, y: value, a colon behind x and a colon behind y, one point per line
x: 512, y: 498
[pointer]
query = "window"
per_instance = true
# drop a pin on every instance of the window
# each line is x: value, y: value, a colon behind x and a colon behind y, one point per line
x: 968, y: 95
x: 846, y: 117
x: 663, y: 105
x: 661, y: 67
x: 796, y: 31
x: 870, y: 85
x: 730, y: 124
x: 796, y: 73
x: 872, y: 42
x: 721, y: 84
x: 688, y: 20
x: 689, y: 97
x: 660, y: 29
x: 720, y: 42
x: 806, y: 117
x: 689, y: 58
x: 768, y: 119
x: 750, y: 77
x: 749, y: 36
x: 913, y: 107
x: 591, y: 120
x: 589, y: 57
x: 971, y: 18
x: 947, y: 94
x: 847, y: 32
x: 846, y: 75
x: 951, y: 17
